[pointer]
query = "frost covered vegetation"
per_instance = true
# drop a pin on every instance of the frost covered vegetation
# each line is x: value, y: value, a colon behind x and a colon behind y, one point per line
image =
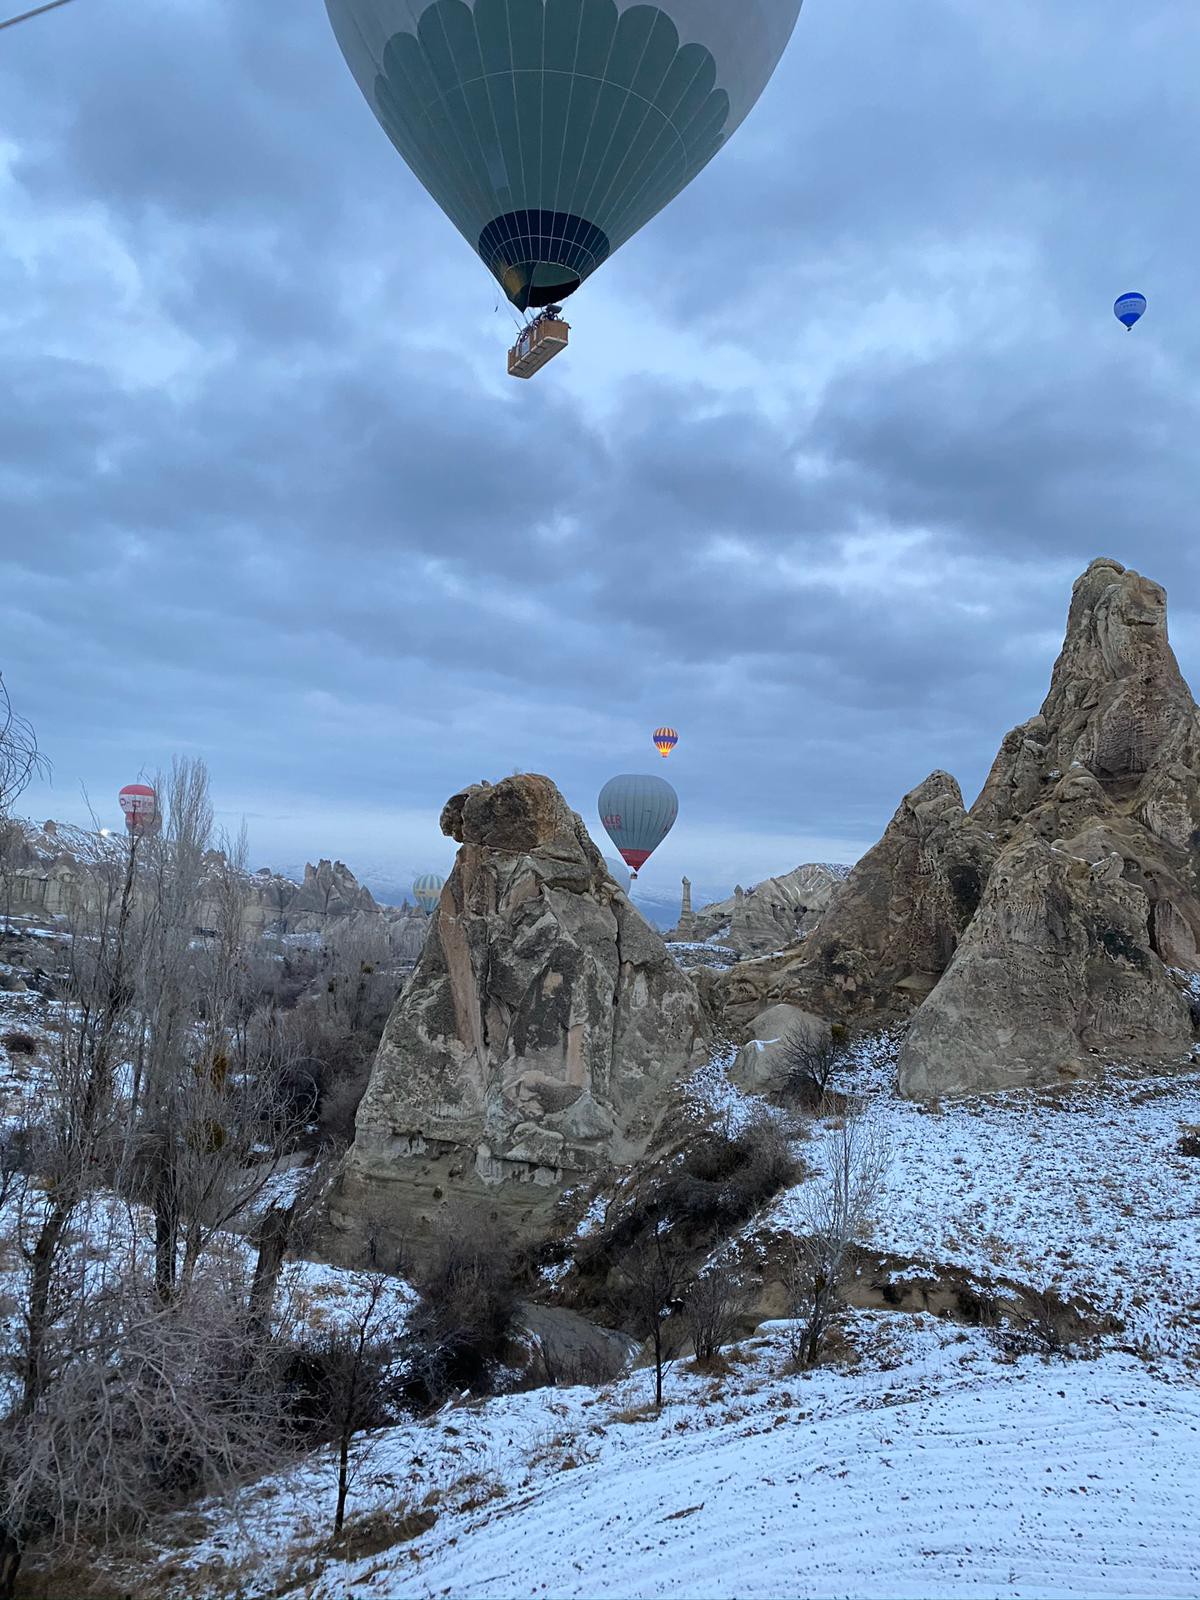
x: 173, y: 1096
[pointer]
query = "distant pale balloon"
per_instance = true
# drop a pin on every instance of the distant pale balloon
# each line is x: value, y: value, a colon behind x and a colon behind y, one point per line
x: 1130, y: 308
x: 550, y: 131
x: 140, y: 805
x: 618, y: 873
x: 665, y: 740
x: 427, y: 890
x: 638, y: 812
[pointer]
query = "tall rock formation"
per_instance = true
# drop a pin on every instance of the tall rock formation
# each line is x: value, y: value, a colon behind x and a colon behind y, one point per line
x: 1096, y: 891
x: 1034, y: 935
x: 892, y: 927
x: 536, y: 1037
x: 687, y: 921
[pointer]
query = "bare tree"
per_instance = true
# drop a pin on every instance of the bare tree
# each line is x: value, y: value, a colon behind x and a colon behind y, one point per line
x: 836, y: 1212
x: 809, y: 1059
x: 20, y: 758
x: 655, y: 1273
x: 712, y: 1308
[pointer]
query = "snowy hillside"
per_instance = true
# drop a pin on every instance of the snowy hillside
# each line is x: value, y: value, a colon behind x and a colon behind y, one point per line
x: 930, y: 1459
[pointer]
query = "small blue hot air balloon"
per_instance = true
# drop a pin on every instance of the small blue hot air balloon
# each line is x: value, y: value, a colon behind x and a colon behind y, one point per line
x: 1129, y: 308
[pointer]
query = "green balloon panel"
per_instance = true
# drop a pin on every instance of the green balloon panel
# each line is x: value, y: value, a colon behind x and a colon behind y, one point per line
x: 550, y: 131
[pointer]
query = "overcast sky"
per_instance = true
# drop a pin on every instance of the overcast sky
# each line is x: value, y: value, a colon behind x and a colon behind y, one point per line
x: 834, y: 436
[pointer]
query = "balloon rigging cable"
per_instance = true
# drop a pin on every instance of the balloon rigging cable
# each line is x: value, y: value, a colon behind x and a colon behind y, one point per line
x: 51, y: 5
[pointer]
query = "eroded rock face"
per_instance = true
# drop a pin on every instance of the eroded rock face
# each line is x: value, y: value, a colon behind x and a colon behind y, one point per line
x: 890, y: 931
x: 1054, y: 976
x: 772, y: 915
x: 1096, y: 802
x: 535, y: 1039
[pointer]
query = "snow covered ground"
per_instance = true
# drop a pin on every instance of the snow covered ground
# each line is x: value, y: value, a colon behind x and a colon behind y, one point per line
x: 1080, y: 1190
x: 931, y: 1468
x: 933, y: 1465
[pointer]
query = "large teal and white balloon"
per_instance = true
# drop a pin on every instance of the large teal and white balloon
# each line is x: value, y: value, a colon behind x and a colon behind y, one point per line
x: 550, y: 131
x: 638, y: 812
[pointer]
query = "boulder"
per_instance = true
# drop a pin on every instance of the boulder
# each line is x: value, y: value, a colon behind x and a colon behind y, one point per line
x: 536, y: 1038
x: 760, y: 1065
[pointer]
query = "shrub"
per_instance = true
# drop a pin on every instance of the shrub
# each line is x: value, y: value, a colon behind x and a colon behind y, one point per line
x: 19, y: 1044
x: 461, y: 1325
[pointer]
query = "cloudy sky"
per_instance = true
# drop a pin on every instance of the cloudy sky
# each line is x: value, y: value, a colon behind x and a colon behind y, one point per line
x: 834, y: 436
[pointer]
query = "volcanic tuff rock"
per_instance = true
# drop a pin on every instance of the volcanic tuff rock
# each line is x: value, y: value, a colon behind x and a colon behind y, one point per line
x: 1033, y: 935
x: 771, y: 915
x: 1097, y: 893
x: 889, y: 932
x: 536, y: 1037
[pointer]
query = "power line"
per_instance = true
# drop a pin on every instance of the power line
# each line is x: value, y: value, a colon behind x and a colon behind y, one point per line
x: 51, y: 5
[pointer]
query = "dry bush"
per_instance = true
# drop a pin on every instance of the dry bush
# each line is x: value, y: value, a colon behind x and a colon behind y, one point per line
x: 725, y: 1178
x: 836, y: 1211
x: 713, y: 1308
x: 18, y: 1043
x: 809, y: 1060
x: 459, y: 1329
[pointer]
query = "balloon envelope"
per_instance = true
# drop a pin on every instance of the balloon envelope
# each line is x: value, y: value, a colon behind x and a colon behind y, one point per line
x: 665, y: 740
x: 619, y: 873
x: 427, y: 890
x: 1129, y: 308
x: 638, y: 812
x: 140, y: 804
x: 550, y: 131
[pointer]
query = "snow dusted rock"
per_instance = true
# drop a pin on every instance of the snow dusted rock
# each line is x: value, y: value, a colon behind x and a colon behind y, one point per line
x: 537, y: 1035
x: 773, y: 914
x: 759, y: 1065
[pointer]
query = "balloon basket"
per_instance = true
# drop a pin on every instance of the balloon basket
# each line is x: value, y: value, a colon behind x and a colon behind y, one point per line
x: 540, y: 342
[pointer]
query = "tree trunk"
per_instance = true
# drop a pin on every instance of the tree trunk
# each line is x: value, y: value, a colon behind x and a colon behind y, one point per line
x: 343, y: 1482
x: 10, y: 1562
x: 273, y: 1235
x: 658, y: 1364
x: 41, y: 1281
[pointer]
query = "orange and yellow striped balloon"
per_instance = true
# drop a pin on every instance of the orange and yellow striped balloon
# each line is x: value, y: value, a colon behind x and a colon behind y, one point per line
x: 666, y: 739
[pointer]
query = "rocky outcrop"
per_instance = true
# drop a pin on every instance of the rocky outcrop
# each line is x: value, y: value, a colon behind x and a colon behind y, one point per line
x: 1097, y: 894
x: 889, y: 933
x: 56, y: 870
x: 330, y: 889
x: 768, y: 917
x: 535, y: 1039
x: 1034, y: 936
x: 1055, y: 975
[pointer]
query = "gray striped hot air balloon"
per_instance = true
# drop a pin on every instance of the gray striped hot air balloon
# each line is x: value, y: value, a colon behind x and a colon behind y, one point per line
x: 638, y: 812
x: 550, y: 131
x: 427, y: 890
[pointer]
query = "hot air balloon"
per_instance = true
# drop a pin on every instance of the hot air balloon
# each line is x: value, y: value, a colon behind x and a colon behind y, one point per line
x: 619, y: 874
x: 665, y: 740
x: 1129, y: 308
x: 140, y: 805
x: 427, y: 890
x: 638, y: 812
x: 550, y: 131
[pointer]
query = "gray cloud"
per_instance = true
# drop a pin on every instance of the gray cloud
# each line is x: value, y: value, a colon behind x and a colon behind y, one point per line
x: 835, y: 435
